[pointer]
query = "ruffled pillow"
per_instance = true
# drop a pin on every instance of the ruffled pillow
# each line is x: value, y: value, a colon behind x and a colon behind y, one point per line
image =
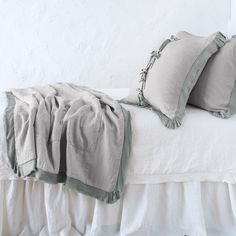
x: 171, y: 73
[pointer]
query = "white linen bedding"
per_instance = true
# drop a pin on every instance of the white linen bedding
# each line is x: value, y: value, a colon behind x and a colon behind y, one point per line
x: 34, y: 208
x: 202, y: 149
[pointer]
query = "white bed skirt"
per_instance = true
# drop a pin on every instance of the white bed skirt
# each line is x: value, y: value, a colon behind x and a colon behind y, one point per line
x: 191, y: 208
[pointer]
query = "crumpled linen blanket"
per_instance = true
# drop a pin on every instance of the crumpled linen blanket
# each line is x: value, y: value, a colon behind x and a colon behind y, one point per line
x: 64, y: 133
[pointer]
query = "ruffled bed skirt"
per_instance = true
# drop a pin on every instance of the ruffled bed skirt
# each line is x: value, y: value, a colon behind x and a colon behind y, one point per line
x: 191, y: 208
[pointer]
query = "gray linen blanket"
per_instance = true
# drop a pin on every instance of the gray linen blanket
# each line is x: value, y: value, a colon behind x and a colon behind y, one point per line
x: 63, y: 133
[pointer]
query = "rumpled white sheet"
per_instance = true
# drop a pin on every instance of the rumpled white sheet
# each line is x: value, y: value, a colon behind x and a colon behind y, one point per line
x: 202, y: 149
x: 29, y: 208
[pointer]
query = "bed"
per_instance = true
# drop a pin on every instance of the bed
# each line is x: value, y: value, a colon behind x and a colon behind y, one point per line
x: 179, y: 182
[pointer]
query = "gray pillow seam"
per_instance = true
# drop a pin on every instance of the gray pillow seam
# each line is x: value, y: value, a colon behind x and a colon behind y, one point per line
x: 230, y: 111
x: 194, y: 73
x: 142, y: 101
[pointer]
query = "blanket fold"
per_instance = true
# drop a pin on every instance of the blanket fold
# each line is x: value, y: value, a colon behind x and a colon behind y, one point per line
x: 64, y: 133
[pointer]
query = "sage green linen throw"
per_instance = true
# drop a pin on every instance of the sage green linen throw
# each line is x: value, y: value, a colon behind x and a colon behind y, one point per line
x: 69, y: 134
x: 171, y: 73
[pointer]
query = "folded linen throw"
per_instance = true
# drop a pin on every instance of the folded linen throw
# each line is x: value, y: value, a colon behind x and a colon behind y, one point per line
x: 64, y: 133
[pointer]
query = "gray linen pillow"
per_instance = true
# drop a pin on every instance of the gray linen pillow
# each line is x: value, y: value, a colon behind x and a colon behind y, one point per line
x: 171, y: 73
x: 215, y: 90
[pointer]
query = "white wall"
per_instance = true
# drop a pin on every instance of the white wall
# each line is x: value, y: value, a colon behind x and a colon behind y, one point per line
x: 232, y: 22
x: 96, y: 43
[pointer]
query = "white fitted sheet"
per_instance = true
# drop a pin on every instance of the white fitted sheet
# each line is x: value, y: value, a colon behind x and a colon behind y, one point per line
x: 202, y: 149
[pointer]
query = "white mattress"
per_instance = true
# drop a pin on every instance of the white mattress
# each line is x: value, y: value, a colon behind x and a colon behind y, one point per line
x: 202, y: 149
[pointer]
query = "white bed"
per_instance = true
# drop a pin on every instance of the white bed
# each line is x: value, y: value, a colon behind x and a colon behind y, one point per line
x: 179, y: 182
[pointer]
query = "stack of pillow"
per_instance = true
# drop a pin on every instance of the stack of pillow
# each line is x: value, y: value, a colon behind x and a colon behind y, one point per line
x: 190, y: 69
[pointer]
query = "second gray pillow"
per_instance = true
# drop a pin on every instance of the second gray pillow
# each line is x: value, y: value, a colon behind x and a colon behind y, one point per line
x: 215, y: 90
